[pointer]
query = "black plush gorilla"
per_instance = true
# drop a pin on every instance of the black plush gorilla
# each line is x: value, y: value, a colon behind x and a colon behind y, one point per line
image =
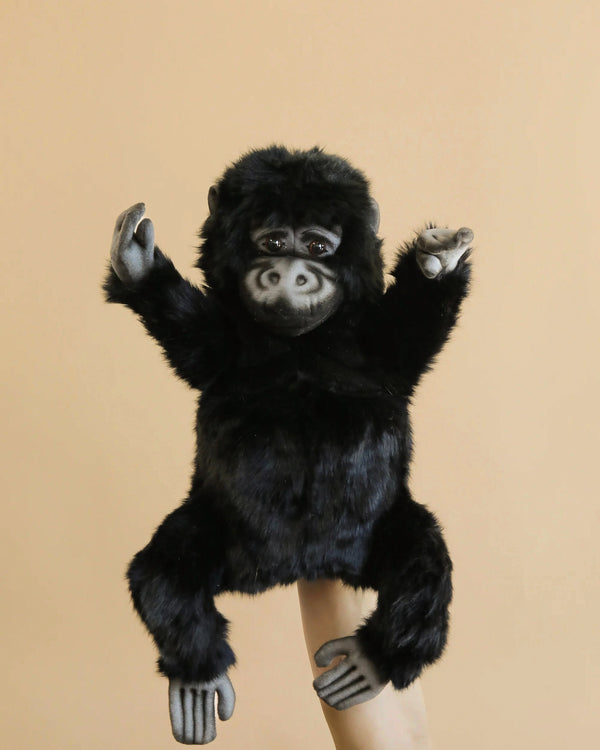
x: 306, y: 367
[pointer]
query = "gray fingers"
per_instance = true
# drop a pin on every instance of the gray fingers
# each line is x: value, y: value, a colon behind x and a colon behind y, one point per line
x: 132, y: 250
x: 144, y: 234
x: 439, y: 250
x: 128, y: 219
x: 226, y: 694
x: 464, y: 236
x: 354, y: 680
x: 192, y: 708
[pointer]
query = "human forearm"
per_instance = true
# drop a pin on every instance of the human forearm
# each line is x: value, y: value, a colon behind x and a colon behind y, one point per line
x: 394, y: 720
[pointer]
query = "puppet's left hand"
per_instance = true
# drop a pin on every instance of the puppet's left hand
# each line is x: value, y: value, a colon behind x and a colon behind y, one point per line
x: 439, y: 250
x: 354, y: 680
x: 192, y: 708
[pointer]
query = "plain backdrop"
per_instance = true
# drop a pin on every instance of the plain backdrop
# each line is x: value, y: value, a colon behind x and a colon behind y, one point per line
x: 483, y: 114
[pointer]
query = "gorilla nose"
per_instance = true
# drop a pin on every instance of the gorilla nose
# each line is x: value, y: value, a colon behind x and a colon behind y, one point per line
x: 273, y: 278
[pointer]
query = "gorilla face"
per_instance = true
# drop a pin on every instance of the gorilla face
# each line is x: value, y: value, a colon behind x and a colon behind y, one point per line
x: 273, y: 239
x: 289, y: 288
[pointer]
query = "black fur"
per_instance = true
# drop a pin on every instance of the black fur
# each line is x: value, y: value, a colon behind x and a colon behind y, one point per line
x: 303, y: 444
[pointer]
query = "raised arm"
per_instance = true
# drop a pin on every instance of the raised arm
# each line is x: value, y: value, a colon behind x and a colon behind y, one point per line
x: 420, y: 308
x: 176, y: 313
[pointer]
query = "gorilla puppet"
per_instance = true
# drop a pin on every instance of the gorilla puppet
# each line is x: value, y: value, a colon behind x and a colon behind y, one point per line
x: 306, y: 367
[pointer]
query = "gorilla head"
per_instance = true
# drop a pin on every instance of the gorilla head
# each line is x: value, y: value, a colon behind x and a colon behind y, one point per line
x: 293, y: 236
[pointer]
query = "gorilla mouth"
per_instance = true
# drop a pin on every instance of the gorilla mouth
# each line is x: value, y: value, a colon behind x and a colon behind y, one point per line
x: 290, y: 295
x: 284, y: 319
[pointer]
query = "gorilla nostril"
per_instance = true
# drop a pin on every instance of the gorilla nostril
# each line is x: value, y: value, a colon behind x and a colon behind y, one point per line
x: 301, y: 280
x: 273, y: 278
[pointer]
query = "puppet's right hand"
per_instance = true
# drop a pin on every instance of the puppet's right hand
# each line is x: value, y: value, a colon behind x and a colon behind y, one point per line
x: 192, y: 708
x: 439, y: 250
x: 132, y: 249
x: 354, y: 680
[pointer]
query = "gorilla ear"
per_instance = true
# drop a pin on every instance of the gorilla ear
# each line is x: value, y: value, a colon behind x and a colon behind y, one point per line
x: 374, y: 218
x: 213, y: 199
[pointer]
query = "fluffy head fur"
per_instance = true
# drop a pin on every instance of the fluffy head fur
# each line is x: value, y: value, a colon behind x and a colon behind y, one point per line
x: 279, y: 186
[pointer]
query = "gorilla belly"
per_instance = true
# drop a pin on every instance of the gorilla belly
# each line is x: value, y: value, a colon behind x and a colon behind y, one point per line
x: 302, y: 479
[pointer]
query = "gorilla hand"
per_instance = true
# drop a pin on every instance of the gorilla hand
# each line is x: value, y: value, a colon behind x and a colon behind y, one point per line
x: 354, y: 680
x: 439, y: 250
x: 132, y: 250
x: 192, y: 708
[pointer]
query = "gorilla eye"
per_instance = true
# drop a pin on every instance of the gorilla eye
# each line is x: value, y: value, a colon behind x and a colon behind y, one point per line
x: 317, y: 247
x: 273, y: 244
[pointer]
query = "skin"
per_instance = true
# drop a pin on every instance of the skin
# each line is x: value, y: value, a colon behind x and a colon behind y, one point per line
x: 393, y: 720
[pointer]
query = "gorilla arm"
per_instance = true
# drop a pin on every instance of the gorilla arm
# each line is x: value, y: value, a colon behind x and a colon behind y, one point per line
x: 173, y: 582
x: 174, y: 312
x: 410, y: 569
x: 420, y: 308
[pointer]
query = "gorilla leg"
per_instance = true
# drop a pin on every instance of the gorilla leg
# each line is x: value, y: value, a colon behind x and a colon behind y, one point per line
x: 411, y: 569
x: 173, y: 581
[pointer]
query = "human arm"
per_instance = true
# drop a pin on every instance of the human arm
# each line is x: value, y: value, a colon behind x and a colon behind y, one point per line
x: 176, y: 313
x: 390, y: 721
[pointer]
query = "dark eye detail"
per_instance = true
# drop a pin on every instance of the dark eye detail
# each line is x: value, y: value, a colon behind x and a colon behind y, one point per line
x: 273, y: 244
x: 317, y: 247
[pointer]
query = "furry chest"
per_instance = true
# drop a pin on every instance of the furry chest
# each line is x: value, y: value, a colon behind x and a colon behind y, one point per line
x: 310, y: 463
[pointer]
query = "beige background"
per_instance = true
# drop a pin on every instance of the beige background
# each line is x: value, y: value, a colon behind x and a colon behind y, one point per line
x: 470, y: 112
